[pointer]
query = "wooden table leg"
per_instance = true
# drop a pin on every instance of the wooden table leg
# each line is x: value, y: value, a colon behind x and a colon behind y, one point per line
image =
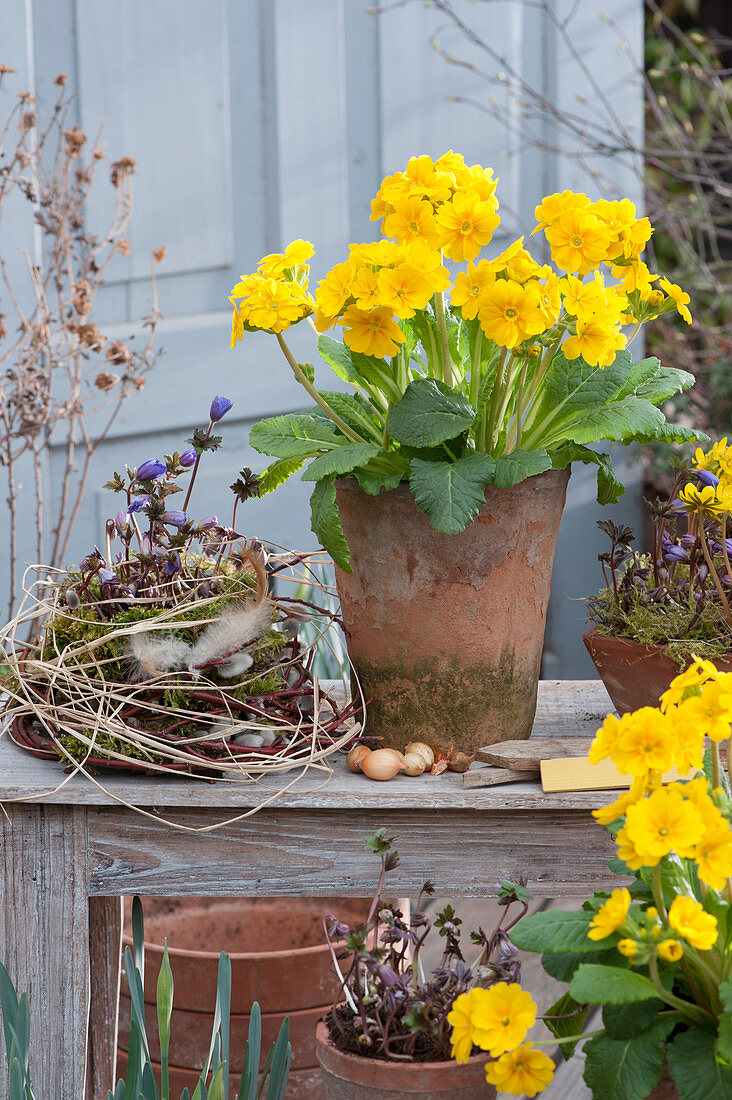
x: 44, y: 938
x: 105, y: 947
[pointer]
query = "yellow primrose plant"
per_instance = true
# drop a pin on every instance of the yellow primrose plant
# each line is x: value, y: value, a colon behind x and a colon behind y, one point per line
x: 655, y: 955
x: 484, y: 373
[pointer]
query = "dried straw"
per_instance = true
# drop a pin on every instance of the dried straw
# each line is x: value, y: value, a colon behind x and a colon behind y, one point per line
x: 67, y: 694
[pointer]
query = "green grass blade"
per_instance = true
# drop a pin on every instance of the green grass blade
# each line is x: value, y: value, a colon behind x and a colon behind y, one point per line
x: 223, y: 1002
x: 280, y: 1063
x: 137, y: 1000
x: 252, y: 1052
x: 138, y: 937
x: 164, y: 998
x: 217, y: 1090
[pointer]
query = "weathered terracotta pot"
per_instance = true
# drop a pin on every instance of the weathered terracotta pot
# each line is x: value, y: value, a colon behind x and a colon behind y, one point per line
x: 278, y: 958
x: 348, y: 1077
x: 635, y: 675
x: 446, y: 631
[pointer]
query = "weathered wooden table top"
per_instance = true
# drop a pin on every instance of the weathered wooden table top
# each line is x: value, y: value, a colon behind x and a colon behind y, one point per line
x: 566, y: 708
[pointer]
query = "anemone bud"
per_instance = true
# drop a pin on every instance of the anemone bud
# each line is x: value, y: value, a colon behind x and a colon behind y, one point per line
x: 675, y: 553
x: 707, y: 478
x: 208, y: 522
x: 107, y: 576
x: 173, y: 565
x: 121, y: 520
x: 138, y: 504
x: 188, y: 458
x: 174, y: 518
x: 219, y: 408
x: 150, y: 469
x: 688, y: 541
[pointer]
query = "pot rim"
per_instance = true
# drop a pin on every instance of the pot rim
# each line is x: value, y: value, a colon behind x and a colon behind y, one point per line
x: 323, y: 1039
x: 350, y: 484
x: 650, y: 650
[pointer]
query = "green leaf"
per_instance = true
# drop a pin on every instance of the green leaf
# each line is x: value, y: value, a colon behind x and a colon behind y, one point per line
x: 666, y: 382
x: 627, y: 1069
x: 277, y: 473
x: 640, y: 374
x: 570, y: 1021
x: 623, y: 1021
x: 724, y: 1038
x: 518, y: 465
x: 294, y: 434
x: 373, y: 481
x: 695, y: 1069
x: 326, y: 523
x: 164, y: 1003
x: 280, y: 1063
x: 338, y: 358
x: 452, y: 493
x: 725, y: 995
x: 609, y: 985
x: 250, y: 1071
x: 609, y: 487
x: 554, y: 930
x: 672, y: 433
x: 352, y: 408
x: 342, y: 460
x: 623, y: 421
x: 429, y: 413
x: 217, y: 1088
x: 572, y: 386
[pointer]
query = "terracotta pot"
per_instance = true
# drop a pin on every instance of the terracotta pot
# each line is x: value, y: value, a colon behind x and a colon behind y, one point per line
x: 349, y: 1077
x: 278, y: 958
x: 635, y: 675
x: 446, y: 631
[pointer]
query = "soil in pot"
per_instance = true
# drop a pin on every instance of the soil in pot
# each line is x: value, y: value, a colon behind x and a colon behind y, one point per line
x: 278, y: 958
x: 635, y: 675
x: 446, y: 630
x: 353, y: 1077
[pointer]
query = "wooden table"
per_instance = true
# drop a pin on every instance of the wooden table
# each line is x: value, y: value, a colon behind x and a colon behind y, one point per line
x: 67, y: 855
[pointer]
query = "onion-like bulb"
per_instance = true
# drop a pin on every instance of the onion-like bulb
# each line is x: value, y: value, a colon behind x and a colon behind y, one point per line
x: 381, y: 764
x: 355, y: 756
x: 414, y: 763
x: 423, y: 748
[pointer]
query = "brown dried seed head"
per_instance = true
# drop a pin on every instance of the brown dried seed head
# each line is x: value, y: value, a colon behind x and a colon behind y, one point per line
x: 98, y: 154
x: 3, y: 328
x: 27, y: 121
x: 6, y: 69
x: 138, y: 382
x: 123, y: 246
x: 75, y: 140
x: 159, y: 253
x: 105, y: 381
x: 60, y: 80
x: 118, y: 353
x: 121, y: 169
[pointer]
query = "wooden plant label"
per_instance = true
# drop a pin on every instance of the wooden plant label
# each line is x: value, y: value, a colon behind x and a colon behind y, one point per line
x: 576, y: 773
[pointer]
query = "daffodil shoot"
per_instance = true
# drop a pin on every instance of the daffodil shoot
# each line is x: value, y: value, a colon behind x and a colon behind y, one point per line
x: 520, y: 362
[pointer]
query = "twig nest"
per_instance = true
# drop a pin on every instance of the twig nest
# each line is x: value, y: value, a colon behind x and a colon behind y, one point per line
x: 381, y: 764
x: 355, y: 756
x: 424, y: 749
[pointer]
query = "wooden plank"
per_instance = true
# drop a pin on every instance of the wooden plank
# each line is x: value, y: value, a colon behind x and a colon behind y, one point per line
x: 44, y: 933
x: 527, y: 755
x: 298, y: 851
x: 578, y: 774
x: 493, y: 777
x: 105, y: 946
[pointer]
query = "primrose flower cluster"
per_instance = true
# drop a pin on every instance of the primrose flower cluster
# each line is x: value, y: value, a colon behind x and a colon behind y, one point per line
x: 445, y: 208
x: 666, y: 951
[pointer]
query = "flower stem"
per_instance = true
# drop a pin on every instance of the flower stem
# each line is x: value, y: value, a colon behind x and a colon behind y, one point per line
x: 658, y: 894
x: 713, y: 571
x: 475, y: 378
x: 695, y: 1013
x: 195, y: 468
x: 307, y: 384
x: 446, y: 357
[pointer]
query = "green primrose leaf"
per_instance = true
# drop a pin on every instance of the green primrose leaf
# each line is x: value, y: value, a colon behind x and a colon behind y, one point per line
x: 695, y: 1069
x: 627, y: 1069
x: 518, y: 465
x: 277, y: 473
x: 609, y: 487
x: 554, y: 930
x: 340, y: 461
x: 623, y: 1021
x: 610, y: 985
x: 293, y: 435
x: 569, y: 1021
x: 452, y: 493
x: 429, y: 413
x: 326, y: 523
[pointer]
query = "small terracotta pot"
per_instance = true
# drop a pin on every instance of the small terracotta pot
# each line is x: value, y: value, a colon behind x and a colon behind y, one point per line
x: 635, y: 675
x: 446, y: 631
x: 348, y: 1077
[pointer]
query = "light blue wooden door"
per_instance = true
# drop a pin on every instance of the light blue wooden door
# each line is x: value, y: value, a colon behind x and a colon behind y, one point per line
x: 257, y: 121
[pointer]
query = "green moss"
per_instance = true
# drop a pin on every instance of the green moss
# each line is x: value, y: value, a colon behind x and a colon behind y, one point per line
x: 709, y: 636
x: 104, y: 743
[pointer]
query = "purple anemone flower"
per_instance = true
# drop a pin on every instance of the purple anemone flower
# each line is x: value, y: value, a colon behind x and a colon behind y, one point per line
x: 208, y: 522
x: 675, y: 553
x: 707, y: 478
x: 122, y: 520
x: 188, y: 458
x: 219, y: 408
x: 107, y: 576
x: 150, y: 469
x: 688, y: 541
x: 137, y: 504
x: 173, y: 564
x: 175, y: 518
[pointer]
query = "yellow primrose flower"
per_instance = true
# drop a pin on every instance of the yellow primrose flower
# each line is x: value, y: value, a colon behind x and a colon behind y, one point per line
x: 634, y: 276
x: 425, y: 179
x: 605, y: 815
x: 466, y: 224
x: 523, y: 1070
x: 636, y: 237
x: 501, y: 1016
x: 365, y: 289
x: 711, y: 711
x: 460, y: 1019
x: 687, y: 917
x: 691, y: 678
x: 427, y: 260
x: 606, y: 738
x: 713, y: 855
x: 334, y: 290
x: 550, y: 299
x: 662, y: 823
x: 501, y: 261
x: 372, y: 332
x: 582, y: 300
x: 610, y: 916
x: 404, y: 289
x: 627, y: 947
x: 578, y: 241
x: 670, y: 950
x: 680, y: 297
x: 619, y: 217
x: 509, y: 312
x: 275, y: 305
x: 595, y: 341
x: 688, y: 749
x: 468, y: 287
x: 522, y: 266
x: 551, y: 207
x: 701, y: 500
x: 479, y: 180
x: 627, y: 850
x: 412, y: 217
x: 295, y: 255
x: 647, y: 742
